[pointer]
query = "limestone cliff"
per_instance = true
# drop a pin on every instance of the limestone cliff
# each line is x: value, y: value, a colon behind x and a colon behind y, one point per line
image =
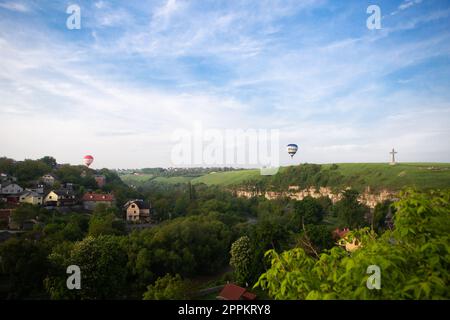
x: 367, y: 198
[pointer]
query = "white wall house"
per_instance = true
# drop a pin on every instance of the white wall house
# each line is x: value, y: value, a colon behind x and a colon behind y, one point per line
x: 10, y: 188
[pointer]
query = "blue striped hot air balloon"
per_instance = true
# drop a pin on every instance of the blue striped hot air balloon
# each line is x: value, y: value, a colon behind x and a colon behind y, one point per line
x: 292, y: 149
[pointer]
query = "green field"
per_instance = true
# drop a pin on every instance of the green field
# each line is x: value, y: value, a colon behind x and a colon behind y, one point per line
x: 172, y: 180
x: 131, y: 178
x: 227, y: 178
x: 144, y: 177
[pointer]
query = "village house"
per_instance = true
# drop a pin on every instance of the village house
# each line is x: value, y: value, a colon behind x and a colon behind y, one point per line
x: 39, y: 188
x: 90, y: 200
x: 48, y: 179
x: 10, y: 192
x: 31, y: 197
x: 60, y: 198
x: 137, y: 211
x: 10, y: 188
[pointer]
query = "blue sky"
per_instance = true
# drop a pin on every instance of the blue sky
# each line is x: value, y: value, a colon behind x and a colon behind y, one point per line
x: 138, y: 70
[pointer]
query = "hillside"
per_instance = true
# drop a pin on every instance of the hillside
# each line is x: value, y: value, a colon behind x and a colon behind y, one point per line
x: 357, y: 175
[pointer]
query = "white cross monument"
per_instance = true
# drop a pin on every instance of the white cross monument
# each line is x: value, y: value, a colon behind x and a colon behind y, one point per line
x: 393, y: 152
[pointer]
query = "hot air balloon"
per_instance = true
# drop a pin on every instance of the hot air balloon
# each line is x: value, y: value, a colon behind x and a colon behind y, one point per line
x: 88, y: 160
x: 292, y: 149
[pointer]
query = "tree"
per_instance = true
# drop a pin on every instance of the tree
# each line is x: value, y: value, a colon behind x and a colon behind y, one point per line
x: 24, y: 212
x: 50, y: 161
x: 104, y: 222
x: 309, y: 210
x: 31, y: 170
x: 241, y: 259
x: 167, y: 288
x: 413, y: 259
x: 103, y: 264
x: 380, y: 213
x: 349, y: 211
x: 24, y: 264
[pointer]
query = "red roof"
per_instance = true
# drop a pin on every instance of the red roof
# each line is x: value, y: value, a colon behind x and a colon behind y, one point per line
x: 88, y: 196
x: 338, y: 233
x: 234, y: 292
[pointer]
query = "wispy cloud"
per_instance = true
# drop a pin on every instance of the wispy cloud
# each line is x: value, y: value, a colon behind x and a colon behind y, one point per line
x: 136, y: 72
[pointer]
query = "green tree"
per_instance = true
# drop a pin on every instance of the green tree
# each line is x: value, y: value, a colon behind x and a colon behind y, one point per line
x: 413, y: 259
x: 50, y: 161
x: 309, y: 210
x: 103, y: 264
x: 24, y: 264
x: 104, y: 222
x: 167, y: 288
x: 349, y: 211
x: 241, y: 259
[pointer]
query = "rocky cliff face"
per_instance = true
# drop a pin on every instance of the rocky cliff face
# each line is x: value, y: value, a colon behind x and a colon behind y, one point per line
x: 367, y: 198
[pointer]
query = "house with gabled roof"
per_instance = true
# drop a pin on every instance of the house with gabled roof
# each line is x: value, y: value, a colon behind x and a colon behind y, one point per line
x: 137, y: 210
x: 90, y: 200
x: 60, y: 198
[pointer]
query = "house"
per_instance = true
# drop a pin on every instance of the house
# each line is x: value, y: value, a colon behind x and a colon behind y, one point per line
x: 10, y: 188
x: 233, y: 292
x: 60, y: 198
x: 100, y: 179
x: 39, y: 188
x: 137, y: 210
x: 90, y: 200
x: 31, y: 197
x: 48, y: 179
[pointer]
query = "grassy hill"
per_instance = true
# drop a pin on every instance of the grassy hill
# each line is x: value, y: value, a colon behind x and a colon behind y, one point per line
x: 357, y: 175
x: 227, y: 178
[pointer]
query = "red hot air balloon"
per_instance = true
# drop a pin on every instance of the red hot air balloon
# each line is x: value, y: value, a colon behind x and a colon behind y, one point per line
x: 88, y: 160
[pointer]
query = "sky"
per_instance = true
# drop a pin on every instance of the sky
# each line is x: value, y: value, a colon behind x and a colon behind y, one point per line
x: 135, y: 72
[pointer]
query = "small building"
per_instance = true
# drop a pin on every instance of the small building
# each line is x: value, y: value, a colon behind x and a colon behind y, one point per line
x: 233, y: 292
x: 38, y: 188
x: 100, y: 180
x: 48, y: 179
x: 137, y: 210
x: 10, y: 188
x: 90, y: 200
x: 60, y: 198
x: 31, y: 197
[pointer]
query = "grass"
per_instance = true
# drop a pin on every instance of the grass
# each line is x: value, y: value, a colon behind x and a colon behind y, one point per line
x: 360, y: 175
x: 227, y: 178
x: 357, y: 175
x: 130, y: 178
x: 172, y: 180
